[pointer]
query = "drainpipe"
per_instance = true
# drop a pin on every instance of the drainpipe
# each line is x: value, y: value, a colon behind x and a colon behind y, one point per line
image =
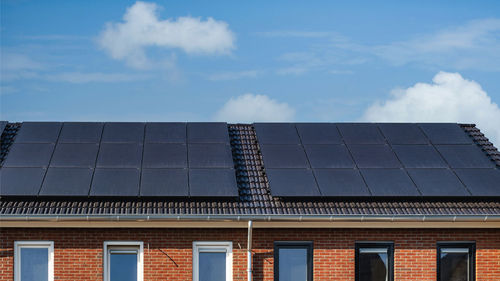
x: 249, y: 251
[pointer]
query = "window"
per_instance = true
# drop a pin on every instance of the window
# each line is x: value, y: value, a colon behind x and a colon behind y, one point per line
x: 293, y: 261
x: 455, y: 261
x: 33, y: 260
x: 123, y: 261
x: 374, y: 261
x: 212, y: 261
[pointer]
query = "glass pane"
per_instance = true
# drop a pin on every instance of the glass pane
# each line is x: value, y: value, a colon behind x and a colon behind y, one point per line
x: 292, y: 264
x: 212, y: 266
x: 123, y: 266
x: 34, y: 264
x: 454, y: 266
x: 373, y: 266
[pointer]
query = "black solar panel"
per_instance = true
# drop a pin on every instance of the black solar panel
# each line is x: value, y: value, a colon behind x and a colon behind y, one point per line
x: 81, y: 132
x: 341, y: 182
x: 318, y: 133
x: 389, y: 182
x: 292, y: 183
x: 329, y: 156
x: 115, y: 182
x: 212, y: 183
x: 284, y: 156
x: 437, y: 182
x: 29, y: 155
x: 2, y: 126
x: 465, y: 156
x: 75, y: 155
x: 481, y: 182
x: 165, y: 155
x: 120, y: 155
x: 123, y: 132
x: 164, y: 182
x: 374, y: 156
x: 445, y: 133
x: 67, y: 182
x: 276, y: 133
x: 38, y: 132
x: 207, y: 133
x: 361, y: 133
x: 210, y: 155
x: 419, y: 156
x: 403, y: 133
x: 166, y: 132
x: 21, y: 181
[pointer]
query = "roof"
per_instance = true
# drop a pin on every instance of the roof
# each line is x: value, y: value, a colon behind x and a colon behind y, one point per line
x: 254, y: 192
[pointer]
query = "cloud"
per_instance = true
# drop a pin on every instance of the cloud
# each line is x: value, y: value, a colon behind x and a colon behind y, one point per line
x: 449, y: 98
x: 249, y: 108
x: 141, y: 28
x: 16, y: 62
x: 79, y: 77
x: 222, y: 76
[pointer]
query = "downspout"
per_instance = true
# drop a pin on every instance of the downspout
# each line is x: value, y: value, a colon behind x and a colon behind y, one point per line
x: 249, y: 251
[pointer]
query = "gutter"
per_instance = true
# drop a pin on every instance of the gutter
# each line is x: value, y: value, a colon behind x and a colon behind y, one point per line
x: 249, y: 251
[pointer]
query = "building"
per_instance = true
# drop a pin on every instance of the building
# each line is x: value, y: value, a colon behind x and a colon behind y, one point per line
x: 193, y: 201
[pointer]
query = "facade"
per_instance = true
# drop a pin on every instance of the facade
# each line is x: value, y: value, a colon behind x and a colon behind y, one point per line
x: 261, y: 232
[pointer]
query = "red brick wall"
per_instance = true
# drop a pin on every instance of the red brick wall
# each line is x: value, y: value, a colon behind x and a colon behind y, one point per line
x: 78, y: 252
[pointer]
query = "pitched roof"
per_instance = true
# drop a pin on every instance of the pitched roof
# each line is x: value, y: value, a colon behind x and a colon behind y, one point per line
x: 254, y: 193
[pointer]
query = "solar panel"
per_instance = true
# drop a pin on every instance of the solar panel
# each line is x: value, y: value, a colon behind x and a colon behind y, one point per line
x: 115, y: 182
x: 67, y: 182
x: 29, y: 155
x: 3, y: 124
x: 419, y: 156
x: 403, y: 133
x: 207, y: 132
x: 465, y: 156
x: 81, y: 132
x: 445, y: 133
x: 164, y: 182
x: 75, y: 155
x: 437, y: 182
x: 165, y: 133
x: 374, y: 156
x: 212, y: 183
x: 21, y: 181
x: 123, y: 132
x: 481, y: 182
x: 361, y: 133
x: 38, y: 132
x: 389, y: 182
x: 318, y: 133
x: 341, y: 182
x: 292, y: 183
x: 210, y: 155
x: 284, y: 156
x: 120, y: 155
x: 329, y: 156
x: 165, y: 155
x: 276, y: 133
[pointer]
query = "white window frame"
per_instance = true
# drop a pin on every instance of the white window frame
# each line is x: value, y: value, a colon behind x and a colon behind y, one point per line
x: 213, y: 247
x: 33, y: 244
x: 124, y: 245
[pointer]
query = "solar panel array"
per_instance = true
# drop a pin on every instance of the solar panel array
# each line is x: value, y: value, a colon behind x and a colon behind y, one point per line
x: 368, y: 159
x: 120, y: 159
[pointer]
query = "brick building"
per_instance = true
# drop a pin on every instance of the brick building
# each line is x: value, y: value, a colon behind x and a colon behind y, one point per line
x: 216, y: 201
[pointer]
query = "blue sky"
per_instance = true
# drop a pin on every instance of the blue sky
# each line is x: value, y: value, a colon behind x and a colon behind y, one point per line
x: 251, y: 61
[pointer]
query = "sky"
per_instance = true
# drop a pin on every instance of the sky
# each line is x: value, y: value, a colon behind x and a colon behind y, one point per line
x: 248, y: 61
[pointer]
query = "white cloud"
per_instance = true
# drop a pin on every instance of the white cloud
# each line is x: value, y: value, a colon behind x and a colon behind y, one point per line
x: 233, y: 75
x: 449, y: 98
x: 254, y: 108
x: 18, y: 62
x: 80, y: 77
x: 141, y: 28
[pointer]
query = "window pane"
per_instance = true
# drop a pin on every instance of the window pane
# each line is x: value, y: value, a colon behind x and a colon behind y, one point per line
x: 123, y: 266
x: 373, y: 265
x: 292, y: 264
x: 212, y: 266
x: 34, y: 264
x: 454, y: 265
